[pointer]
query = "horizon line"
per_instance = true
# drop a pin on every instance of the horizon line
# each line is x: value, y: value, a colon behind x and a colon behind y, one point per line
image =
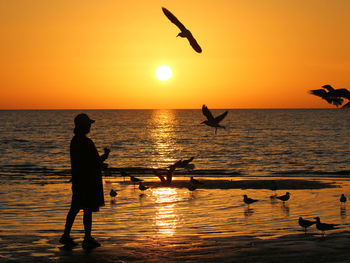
x: 101, y: 109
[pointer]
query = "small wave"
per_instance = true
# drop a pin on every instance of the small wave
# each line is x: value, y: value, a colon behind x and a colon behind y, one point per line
x: 344, y: 173
x: 148, y: 171
x: 9, y: 141
x: 26, y: 169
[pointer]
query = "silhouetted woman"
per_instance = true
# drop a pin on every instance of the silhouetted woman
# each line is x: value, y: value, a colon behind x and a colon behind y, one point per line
x: 87, y: 188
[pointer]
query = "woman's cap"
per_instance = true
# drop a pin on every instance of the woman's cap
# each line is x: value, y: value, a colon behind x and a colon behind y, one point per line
x: 82, y: 120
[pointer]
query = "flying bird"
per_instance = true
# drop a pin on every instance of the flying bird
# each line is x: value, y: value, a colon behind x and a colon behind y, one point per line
x: 323, y: 226
x: 184, y: 31
x: 211, y: 121
x: 333, y: 96
x: 304, y: 223
x: 185, y: 164
x: 248, y: 200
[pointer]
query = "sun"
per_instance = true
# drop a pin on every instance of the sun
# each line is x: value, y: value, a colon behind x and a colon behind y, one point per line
x: 164, y: 73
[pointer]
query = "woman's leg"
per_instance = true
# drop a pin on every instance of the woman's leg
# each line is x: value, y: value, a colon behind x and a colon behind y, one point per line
x: 87, y: 219
x: 73, y: 211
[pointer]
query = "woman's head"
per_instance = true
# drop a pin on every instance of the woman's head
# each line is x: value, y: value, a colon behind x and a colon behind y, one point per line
x: 82, y: 124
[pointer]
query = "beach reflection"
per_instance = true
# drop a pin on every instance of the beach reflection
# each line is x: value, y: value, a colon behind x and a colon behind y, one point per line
x: 166, y: 217
x: 163, y: 135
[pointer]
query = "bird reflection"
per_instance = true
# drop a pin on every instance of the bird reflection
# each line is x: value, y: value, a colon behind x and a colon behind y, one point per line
x: 343, y: 212
x: 285, y: 209
x: 248, y: 211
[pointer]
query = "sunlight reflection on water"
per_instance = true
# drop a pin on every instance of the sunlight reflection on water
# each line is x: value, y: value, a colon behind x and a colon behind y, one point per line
x: 41, y: 210
x: 166, y: 217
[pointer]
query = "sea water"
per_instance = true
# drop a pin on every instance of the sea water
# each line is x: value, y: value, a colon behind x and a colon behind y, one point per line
x: 261, y: 144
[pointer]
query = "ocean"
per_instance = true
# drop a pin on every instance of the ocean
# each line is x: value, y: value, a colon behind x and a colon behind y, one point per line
x: 255, y: 142
x: 35, y: 192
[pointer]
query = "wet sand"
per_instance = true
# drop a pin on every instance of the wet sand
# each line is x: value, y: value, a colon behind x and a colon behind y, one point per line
x: 292, y: 248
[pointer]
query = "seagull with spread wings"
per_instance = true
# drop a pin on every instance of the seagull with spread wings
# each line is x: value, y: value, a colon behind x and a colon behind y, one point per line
x: 184, y: 31
x: 333, y: 96
x: 211, y: 121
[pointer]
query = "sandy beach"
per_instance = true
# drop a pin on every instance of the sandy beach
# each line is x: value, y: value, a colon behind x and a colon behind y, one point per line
x: 292, y: 248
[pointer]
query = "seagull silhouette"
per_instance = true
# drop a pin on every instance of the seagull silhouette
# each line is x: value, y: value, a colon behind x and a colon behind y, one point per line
x: 211, y: 121
x: 248, y: 200
x: 113, y: 193
x: 284, y: 198
x: 304, y: 223
x: 134, y: 180
x: 184, y: 164
x: 142, y: 187
x: 333, y: 96
x: 184, y: 31
x: 342, y: 199
x: 323, y: 226
x: 191, y: 187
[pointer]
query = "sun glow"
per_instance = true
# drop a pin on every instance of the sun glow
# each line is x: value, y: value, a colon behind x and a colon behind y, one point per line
x: 164, y: 73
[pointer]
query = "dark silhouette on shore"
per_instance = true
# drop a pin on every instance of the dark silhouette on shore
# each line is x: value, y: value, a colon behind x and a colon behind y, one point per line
x: 324, y: 226
x: 142, y: 187
x: 333, y: 96
x: 113, y: 193
x: 169, y: 175
x: 87, y: 187
x: 342, y: 199
x: 284, y: 198
x: 248, y: 200
x: 184, y: 31
x: 211, y: 121
x: 192, y: 187
x: 304, y: 223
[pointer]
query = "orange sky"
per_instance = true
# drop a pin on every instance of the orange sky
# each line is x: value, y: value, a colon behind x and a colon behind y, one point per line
x: 82, y: 54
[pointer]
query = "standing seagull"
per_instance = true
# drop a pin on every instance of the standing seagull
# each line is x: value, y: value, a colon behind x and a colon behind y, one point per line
x: 142, y: 187
x: 211, y: 121
x: 284, y: 198
x: 134, y: 180
x: 304, y: 223
x: 113, y: 193
x: 323, y: 226
x: 342, y: 199
x: 192, y: 187
x: 248, y: 200
x: 184, y: 31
